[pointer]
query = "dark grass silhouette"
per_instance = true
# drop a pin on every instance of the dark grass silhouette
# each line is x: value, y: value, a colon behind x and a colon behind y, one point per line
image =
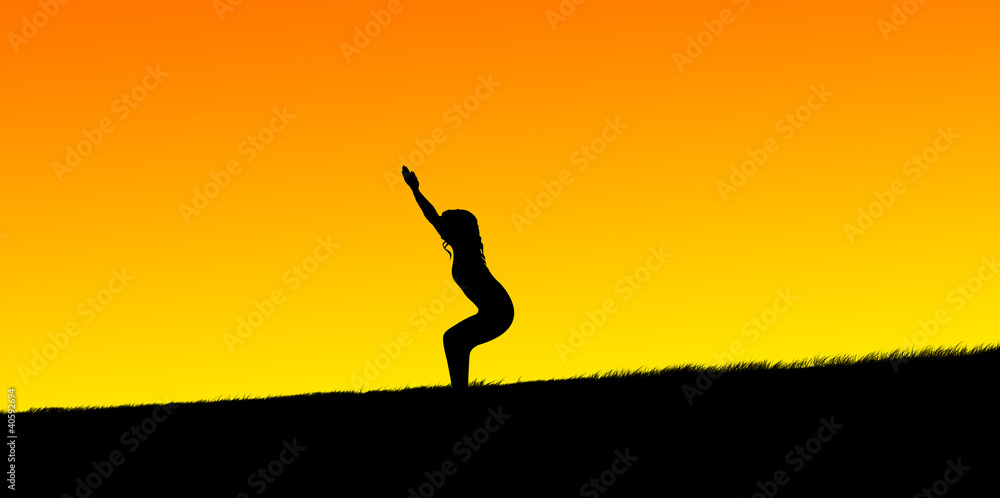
x: 897, y: 425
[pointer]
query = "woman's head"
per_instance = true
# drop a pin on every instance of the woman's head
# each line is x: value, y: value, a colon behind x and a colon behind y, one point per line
x: 462, y: 229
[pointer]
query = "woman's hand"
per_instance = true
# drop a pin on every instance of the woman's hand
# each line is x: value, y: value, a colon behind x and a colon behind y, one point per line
x: 411, y: 178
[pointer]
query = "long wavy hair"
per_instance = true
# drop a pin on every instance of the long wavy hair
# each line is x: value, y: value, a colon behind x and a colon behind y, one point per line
x: 462, y: 228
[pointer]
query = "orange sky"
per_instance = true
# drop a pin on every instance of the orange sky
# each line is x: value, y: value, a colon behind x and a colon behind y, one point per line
x: 587, y: 141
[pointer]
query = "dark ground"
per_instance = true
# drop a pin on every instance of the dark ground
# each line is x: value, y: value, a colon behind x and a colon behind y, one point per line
x: 862, y: 428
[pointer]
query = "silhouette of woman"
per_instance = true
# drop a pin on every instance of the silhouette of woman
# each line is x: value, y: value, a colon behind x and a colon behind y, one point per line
x: 459, y: 229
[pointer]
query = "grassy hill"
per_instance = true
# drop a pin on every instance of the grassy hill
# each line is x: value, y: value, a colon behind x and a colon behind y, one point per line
x: 887, y: 425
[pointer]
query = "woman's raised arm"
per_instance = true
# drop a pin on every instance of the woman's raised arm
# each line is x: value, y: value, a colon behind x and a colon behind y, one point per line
x: 429, y: 212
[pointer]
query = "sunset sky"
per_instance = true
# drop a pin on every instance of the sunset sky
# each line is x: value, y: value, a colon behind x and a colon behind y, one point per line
x: 203, y: 200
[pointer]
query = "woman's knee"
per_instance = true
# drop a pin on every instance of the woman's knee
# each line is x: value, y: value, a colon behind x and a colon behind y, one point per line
x: 457, y: 338
x: 475, y: 330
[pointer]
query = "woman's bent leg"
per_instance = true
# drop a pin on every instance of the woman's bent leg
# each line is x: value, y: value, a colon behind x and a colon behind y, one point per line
x: 466, y: 335
x: 458, y: 344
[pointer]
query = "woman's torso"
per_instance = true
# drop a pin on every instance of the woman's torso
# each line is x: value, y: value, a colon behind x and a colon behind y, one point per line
x: 472, y: 275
